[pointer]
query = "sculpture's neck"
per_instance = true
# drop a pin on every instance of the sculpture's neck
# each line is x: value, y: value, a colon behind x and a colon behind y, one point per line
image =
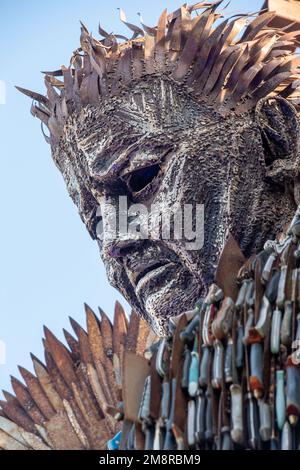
x: 245, y: 226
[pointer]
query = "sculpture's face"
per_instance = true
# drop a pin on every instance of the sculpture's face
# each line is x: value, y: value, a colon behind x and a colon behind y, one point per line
x: 157, y: 145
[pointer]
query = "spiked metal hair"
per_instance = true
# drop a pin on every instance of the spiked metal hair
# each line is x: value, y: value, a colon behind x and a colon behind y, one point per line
x: 231, y: 65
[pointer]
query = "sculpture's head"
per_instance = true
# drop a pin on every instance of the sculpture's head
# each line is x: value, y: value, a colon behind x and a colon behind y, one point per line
x: 185, y: 113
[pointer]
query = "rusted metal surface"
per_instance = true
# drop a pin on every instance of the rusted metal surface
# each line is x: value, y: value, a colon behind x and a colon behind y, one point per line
x: 287, y: 14
x: 72, y: 401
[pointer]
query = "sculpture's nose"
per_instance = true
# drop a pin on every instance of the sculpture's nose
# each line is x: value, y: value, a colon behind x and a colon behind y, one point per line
x: 124, y: 242
x: 115, y: 229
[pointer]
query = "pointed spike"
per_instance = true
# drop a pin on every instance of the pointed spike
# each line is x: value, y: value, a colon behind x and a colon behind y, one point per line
x: 206, y: 51
x: 85, y: 350
x: 35, y: 96
x: 46, y: 384
x: 262, y: 91
x: 119, y: 330
x: 75, y: 325
x: 138, y: 332
x: 122, y: 15
x: 69, y: 87
x: 16, y: 382
x: 36, y: 111
x: 73, y: 345
x: 15, y: 379
x: 37, y: 393
x: 16, y: 413
x: 39, y: 367
x: 107, y: 333
x: 103, y: 365
x: 57, y: 378
x: 227, y: 67
x: 244, y: 81
x: 148, y: 29
x: 236, y: 71
x: 119, y: 312
x: 55, y: 73
x: 133, y: 331
x: 94, y: 335
x: 8, y: 396
x: 104, y: 317
x: 36, y: 360
x: 101, y: 311
x: 85, y: 29
x: 120, y: 36
x: 27, y: 402
x: 24, y: 371
x: 102, y: 32
x: 26, y: 374
x: 61, y: 356
x: 46, y: 330
x: 220, y: 49
x: 53, y: 95
x: 257, y: 25
x: 54, y: 344
x: 161, y: 31
x: 86, y: 306
x: 195, y: 40
x: 136, y: 29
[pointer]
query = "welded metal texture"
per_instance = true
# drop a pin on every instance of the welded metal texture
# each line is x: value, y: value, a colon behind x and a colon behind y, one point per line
x: 74, y: 399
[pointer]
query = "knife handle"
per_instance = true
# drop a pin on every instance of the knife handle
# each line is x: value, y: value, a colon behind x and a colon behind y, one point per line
x: 280, y: 399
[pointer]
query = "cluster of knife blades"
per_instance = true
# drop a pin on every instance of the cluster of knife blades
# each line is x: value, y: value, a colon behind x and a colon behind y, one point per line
x: 228, y: 376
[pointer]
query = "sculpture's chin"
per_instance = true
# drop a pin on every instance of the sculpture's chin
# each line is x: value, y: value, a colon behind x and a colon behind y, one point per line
x: 170, y: 299
x: 167, y: 291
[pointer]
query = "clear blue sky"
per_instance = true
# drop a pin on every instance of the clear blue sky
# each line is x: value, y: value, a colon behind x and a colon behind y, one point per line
x: 49, y: 266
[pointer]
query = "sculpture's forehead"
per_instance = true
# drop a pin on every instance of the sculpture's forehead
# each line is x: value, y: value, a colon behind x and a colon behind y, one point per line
x: 155, y: 107
x: 143, y: 122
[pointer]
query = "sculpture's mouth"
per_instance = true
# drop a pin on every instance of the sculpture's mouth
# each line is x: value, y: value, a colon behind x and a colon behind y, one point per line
x: 151, y: 274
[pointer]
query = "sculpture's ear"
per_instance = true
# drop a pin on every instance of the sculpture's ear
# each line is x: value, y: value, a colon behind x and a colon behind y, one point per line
x: 279, y: 126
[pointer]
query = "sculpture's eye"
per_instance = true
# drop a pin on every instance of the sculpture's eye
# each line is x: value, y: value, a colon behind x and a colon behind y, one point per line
x: 142, y: 179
